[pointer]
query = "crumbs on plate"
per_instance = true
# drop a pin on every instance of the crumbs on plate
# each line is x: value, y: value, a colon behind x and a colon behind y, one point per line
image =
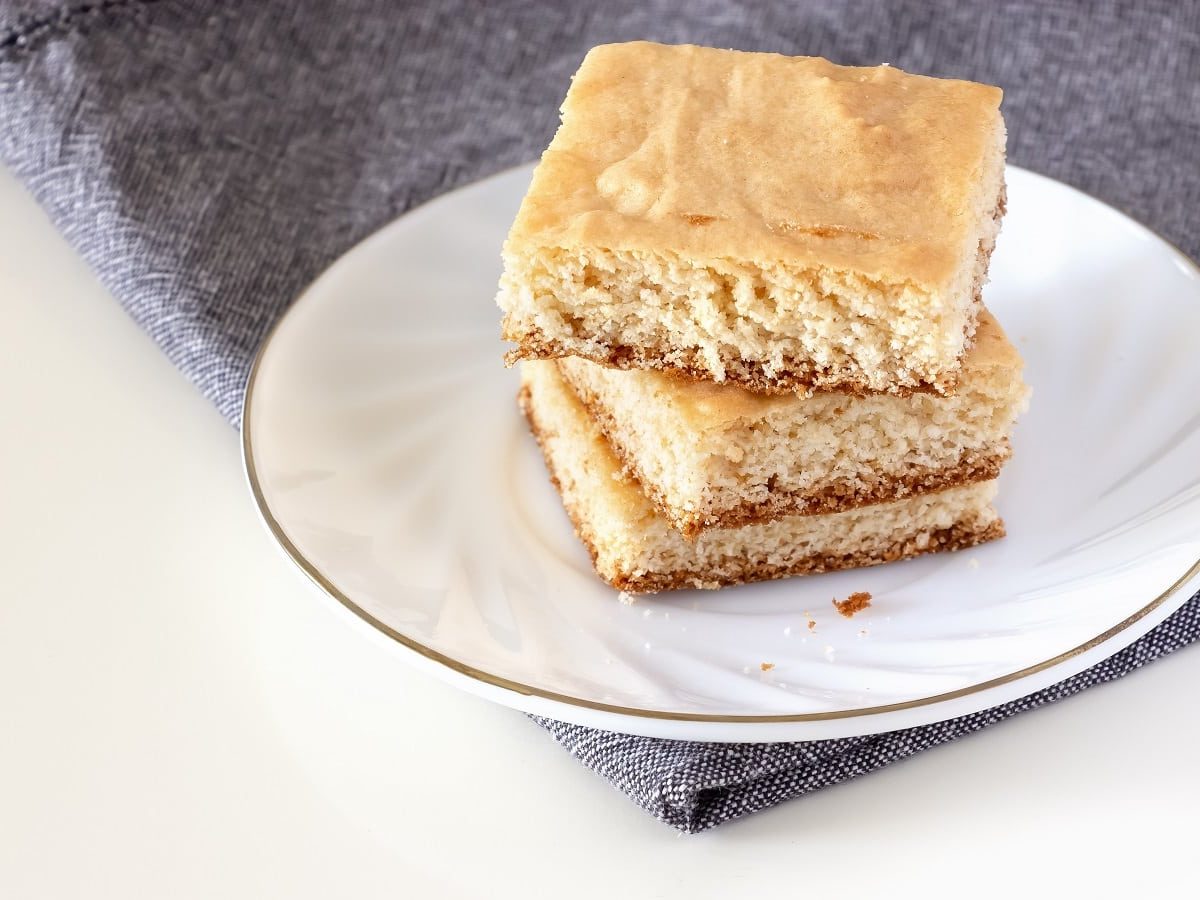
x: 855, y: 603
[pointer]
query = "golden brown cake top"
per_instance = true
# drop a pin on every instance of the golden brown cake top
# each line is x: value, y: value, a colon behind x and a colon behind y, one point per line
x: 711, y: 405
x: 721, y: 154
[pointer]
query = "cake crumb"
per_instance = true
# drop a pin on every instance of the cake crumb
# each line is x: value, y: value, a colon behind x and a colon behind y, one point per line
x: 812, y: 625
x: 627, y: 598
x: 973, y: 563
x: 766, y: 667
x: 646, y: 613
x: 829, y: 652
x: 856, y: 602
x: 787, y: 631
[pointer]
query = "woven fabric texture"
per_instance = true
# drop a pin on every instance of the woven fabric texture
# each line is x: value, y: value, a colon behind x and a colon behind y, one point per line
x: 209, y: 160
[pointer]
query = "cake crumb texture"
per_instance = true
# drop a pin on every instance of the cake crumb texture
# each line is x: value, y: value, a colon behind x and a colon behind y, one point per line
x: 719, y: 456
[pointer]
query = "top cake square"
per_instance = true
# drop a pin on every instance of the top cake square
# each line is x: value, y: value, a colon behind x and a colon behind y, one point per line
x: 777, y: 222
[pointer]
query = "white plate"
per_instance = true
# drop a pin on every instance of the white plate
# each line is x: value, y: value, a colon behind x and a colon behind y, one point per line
x: 384, y: 448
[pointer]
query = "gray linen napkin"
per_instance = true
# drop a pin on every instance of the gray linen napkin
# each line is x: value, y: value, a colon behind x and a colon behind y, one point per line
x: 209, y: 160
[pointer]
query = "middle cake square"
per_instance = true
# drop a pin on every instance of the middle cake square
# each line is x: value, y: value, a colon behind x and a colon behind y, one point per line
x: 718, y: 456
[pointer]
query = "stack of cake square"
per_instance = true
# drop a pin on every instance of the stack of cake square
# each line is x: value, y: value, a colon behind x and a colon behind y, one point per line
x: 746, y: 291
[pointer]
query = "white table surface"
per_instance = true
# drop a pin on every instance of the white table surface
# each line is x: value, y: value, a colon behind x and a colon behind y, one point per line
x: 184, y: 716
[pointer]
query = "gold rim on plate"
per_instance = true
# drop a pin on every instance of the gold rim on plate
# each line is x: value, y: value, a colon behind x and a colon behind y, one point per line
x: 326, y: 584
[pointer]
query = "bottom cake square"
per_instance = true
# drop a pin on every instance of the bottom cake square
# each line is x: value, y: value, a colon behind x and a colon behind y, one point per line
x: 635, y: 549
